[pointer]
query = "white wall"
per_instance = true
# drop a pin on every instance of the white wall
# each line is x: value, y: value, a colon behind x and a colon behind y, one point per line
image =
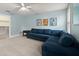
x: 30, y: 21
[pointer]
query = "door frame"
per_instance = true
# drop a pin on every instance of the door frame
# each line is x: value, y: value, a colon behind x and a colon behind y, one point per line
x: 10, y: 27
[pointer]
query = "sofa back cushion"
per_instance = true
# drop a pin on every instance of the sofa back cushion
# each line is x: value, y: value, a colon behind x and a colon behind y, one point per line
x: 56, y: 33
x: 67, y: 40
x: 47, y: 31
x: 34, y: 31
x: 39, y: 31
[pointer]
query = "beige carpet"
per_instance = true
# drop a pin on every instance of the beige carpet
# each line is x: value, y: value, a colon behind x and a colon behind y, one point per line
x: 20, y: 46
x: 3, y: 36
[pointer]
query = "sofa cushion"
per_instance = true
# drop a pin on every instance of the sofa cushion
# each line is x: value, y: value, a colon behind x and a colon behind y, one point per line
x: 52, y: 39
x: 56, y: 33
x: 39, y: 31
x: 41, y: 36
x: 47, y: 31
x: 66, y: 40
x: 34, y: 30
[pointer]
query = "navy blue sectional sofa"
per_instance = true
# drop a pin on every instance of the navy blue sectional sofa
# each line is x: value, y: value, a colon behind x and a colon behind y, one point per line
x: 56, y: 42
x: 43, y: 34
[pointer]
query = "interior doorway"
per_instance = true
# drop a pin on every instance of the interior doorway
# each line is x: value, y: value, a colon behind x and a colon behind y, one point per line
x: 4, y: 26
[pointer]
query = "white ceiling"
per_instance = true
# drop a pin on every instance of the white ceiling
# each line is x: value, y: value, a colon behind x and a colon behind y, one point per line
x: 37, y: 8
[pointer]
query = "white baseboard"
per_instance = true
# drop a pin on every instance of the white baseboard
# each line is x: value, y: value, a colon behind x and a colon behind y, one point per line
x: 12, y: 36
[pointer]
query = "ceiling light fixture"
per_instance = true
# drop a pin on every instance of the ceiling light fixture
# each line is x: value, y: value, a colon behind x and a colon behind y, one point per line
x: 22, y: 4
x: 23, y: 8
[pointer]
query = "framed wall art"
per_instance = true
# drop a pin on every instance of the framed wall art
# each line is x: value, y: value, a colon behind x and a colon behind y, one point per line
x: 39, y: 22
x: 53, y: 21
x: 45, y: 22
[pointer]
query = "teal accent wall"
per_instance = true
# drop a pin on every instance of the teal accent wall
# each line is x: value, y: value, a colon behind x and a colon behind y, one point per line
x: 75, y: 14
x: 16, y: 24
x: 75, y: 19
x: 30, y: 21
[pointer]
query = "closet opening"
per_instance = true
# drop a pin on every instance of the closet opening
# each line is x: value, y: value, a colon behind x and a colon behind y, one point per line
x: 4, y: 26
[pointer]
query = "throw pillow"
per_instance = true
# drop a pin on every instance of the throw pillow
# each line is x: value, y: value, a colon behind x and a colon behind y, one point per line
x: 66, y: 40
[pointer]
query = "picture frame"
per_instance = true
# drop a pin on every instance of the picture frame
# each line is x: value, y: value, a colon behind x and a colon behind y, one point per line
x: 53, y: 21
x: 45, y: 22
x: 39, y: 22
